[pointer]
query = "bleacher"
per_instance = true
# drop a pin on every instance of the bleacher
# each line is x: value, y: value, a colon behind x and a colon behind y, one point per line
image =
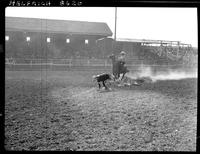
x: 147, y: 55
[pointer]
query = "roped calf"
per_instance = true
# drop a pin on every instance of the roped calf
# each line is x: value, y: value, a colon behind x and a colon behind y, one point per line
x: 102, y: 78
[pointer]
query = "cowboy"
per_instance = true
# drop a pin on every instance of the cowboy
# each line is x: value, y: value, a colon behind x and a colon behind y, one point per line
x: 122, y: 61
x: 122, y: 56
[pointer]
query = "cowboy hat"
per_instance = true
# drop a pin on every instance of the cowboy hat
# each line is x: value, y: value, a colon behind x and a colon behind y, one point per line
x: 122, y: 53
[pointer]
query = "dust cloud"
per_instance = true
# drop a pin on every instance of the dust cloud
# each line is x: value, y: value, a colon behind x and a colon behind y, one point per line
x: 166, y: 74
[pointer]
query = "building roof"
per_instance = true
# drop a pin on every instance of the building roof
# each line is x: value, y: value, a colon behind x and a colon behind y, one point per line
x: 150, y: 41
x: 57, y: 26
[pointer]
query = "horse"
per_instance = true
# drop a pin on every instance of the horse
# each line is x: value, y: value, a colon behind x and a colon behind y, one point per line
x: 118, y: 67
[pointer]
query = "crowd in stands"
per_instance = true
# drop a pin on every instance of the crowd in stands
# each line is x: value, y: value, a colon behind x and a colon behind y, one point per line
x: 146, y: 56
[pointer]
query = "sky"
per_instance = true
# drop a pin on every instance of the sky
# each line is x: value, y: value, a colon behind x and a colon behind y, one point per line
x: 174, y: 24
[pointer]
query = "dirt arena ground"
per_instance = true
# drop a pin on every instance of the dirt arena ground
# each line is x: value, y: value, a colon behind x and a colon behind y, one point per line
x: 64, y: 111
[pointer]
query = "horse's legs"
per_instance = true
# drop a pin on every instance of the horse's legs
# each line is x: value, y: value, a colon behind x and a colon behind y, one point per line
x: 123, y: 76
x: 124, y: 72
x: 118, y: 75
x: 115, y: 76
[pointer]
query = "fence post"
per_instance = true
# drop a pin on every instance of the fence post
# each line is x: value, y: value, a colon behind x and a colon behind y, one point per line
x: 51, y: 64
x: 70, y: 63
x: 31, y: 63
x: 88, y: 62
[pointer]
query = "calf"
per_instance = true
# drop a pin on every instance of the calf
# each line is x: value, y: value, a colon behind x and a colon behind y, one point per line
x: 102, y: 78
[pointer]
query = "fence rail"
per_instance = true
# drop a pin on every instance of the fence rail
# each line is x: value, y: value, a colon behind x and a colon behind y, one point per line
x: 80, y: 62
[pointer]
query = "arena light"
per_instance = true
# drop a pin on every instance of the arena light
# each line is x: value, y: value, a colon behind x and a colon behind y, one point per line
x: 86, y: 41
x: 28, y: 39
x: 7, y: 38
x: 67, y: 40
x: 48, y: 39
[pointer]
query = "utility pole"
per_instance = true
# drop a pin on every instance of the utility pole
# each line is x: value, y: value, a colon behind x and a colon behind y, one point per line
x: 114, y: 41
x: 115, y: 22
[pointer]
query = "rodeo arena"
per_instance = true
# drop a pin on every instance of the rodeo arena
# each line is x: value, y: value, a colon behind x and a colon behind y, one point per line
x: 69, y: 86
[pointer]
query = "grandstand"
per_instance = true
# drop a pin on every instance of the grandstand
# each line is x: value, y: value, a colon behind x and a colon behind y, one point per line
x: 41, y: 42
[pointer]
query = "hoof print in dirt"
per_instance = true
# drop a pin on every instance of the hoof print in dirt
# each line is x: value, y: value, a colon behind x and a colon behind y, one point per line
x: 148, y: 138
x: 105, y: 90
x: 69, y: 149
